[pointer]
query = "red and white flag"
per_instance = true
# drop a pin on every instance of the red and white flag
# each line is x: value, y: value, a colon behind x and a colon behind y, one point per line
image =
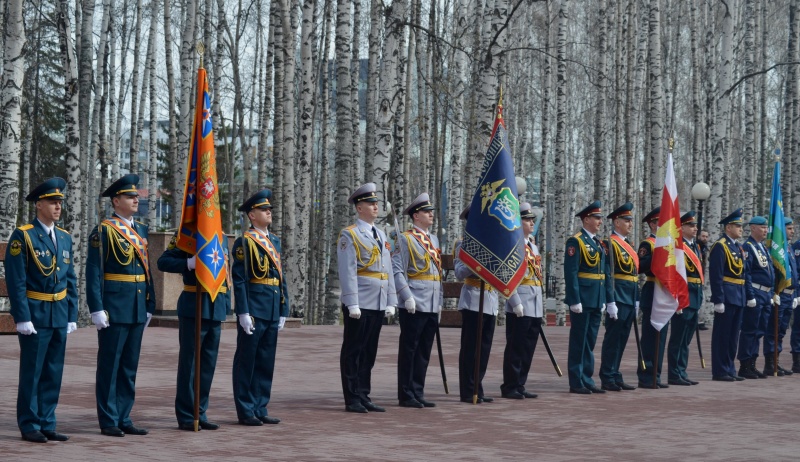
x: 668, y: 264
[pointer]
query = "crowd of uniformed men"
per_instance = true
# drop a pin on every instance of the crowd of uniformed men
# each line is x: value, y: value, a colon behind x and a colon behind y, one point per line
x: 601, y: 277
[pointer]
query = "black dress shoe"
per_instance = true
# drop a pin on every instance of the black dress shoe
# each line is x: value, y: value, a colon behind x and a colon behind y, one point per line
x: 251, y: 422
x: 206, y: 425
x: 662, y: 385
x: 679, y: 381
x: 112, y: 431
x: 528, y: 394
x: 133, y: 430
x: 34, y: 437
x: 625, y: 386
x: 53, y: 435
x: 412, y: 403
x: 426, y: 403
x: 691, y: 382
x: 355, y: 407
x: 513, y: 395
x: 723, y: 378
x: 702, y: 326
x: 594, y: 389
x: 469, y: 400
x: 645, y: 385
x: 738, y: 378
x: 189, y: 427
x: 580, y: 391
x: 611, y: 387
x: 486, y: 399
x: 269, y: 420
x: 372, y: 407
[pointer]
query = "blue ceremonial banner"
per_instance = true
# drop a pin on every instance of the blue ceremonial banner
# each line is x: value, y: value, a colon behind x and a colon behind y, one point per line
x: 777, y: 240
x: 494, y: 245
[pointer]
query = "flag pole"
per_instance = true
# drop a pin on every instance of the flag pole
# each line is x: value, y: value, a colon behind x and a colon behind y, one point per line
x: 655, y: 360
x: 198, y: 305
x: 476, y: 383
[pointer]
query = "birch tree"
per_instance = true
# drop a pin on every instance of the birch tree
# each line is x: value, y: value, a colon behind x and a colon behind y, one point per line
x: 11, y: 116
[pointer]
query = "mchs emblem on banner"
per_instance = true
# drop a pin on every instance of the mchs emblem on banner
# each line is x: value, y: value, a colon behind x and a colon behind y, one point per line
x: 501, y: 203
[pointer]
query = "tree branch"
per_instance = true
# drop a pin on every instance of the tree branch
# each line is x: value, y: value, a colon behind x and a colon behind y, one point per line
x: 753, y: 74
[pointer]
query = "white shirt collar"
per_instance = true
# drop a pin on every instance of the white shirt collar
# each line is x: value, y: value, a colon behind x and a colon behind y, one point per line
x: 266, y: 232
x: 423, y: 230
x: 587, y: 232
x: 49, y: 229
x: 364, y: 225
x: 620, y: 235
x: 127, y: 221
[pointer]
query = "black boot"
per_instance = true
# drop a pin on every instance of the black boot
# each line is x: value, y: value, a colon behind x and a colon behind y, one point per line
x: 780, y: 369
x: 760, y: 374
x: 769, y: 366
x: 747, y: 369
x: 796, y: 362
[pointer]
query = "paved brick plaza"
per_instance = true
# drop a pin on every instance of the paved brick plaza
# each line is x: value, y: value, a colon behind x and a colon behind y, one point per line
x: 752, y: 420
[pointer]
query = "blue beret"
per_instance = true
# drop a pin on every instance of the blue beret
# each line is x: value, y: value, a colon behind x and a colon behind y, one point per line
x: 50, y: 189
x: 758, y: 221
x: 125, y: 185
x: 259, y: 200
x: 787, y: 220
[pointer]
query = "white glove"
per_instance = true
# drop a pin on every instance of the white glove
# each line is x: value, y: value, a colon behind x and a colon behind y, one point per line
x: 578, y: 309
x: 71, y: 327
x: 794, y: 302
x: 636, y: 309
x: 751, y: 303
x: 440, y: 310
x: 247, y: 323
x: 190, y: 262
x: 281, y: 322
x: 518, y: 310
x: 612, y: 310
x: 355, y: 311
x: 719, y: 308
x: 603, y: 308
x: 389, y: 310
x: 776, y: 300
x: 100, y: 320
x: 149, y: 317
x: 26, y: 328
x: 411, y: 305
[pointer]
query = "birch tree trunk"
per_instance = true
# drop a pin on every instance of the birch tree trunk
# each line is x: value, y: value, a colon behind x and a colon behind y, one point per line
x: 96, y: 149
x: 373, y: 85
x: 300, y: 268
x: 720, y: 151
x: 790, y: 102
x: 601, y: 163
x: 559, y: 166
x: 656, y: 101
x: 697, y: 110
x: 75, y: 212
x: 751, y: 206
x: 152, y: 149
x: 135, y: 128
x: 186, y: 98
x: 11, y: 116
x: 263, y: 151
x: 344, y: 150
x: 176, y: 195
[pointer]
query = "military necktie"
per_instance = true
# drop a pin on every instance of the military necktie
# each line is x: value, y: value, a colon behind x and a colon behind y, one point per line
x: 53, y: 238
x: 375, y: 235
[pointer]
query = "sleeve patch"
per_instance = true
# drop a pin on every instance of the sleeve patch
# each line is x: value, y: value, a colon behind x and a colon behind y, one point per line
x: 642, y: 251
x: 240, y: 253
x: 172, y: 243
x: 95, y: 240
x: 15, y: 248
x: 343, y: 243
x: 388, y: 247
x: 571, y: 251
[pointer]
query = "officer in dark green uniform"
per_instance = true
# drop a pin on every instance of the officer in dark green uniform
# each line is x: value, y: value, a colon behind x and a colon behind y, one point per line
x: 684, y: 322
x: 621, y: 310
x: 121, y: 298
x: 587, y: 279
x: 262, y: 305
x: 649, y: 333
x: 175, y: 260
x: 44, y: 304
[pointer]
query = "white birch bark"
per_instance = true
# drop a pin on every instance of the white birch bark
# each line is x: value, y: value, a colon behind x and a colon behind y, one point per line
x: 559, y: 164
x: 601, y: 162
x: 177, y: 181
x: 751, y: 206
x: 135, y: 128
x: 656, y: 102
x: 373, y: 84
x: 11, y: 116
x: 152, y: 149
x: 721, y: 149
x: 188, y: 76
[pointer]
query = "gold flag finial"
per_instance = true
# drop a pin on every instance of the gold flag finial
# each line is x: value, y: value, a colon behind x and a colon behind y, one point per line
x: 201, y: 49
x: 671, y: 143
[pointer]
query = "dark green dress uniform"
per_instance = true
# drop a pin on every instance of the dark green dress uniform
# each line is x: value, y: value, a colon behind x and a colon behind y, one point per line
x: 173, y: 260
x: 118, y: 281
x: 42, y: 290
x: 684, y: 322
x: 626, y: 295
x: 260, y: 290
x: 649, y: 333
x: 587, y: 279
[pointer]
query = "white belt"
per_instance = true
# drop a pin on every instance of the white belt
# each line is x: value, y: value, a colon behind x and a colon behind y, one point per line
x: 762, y: 288
x: 788, y: 291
